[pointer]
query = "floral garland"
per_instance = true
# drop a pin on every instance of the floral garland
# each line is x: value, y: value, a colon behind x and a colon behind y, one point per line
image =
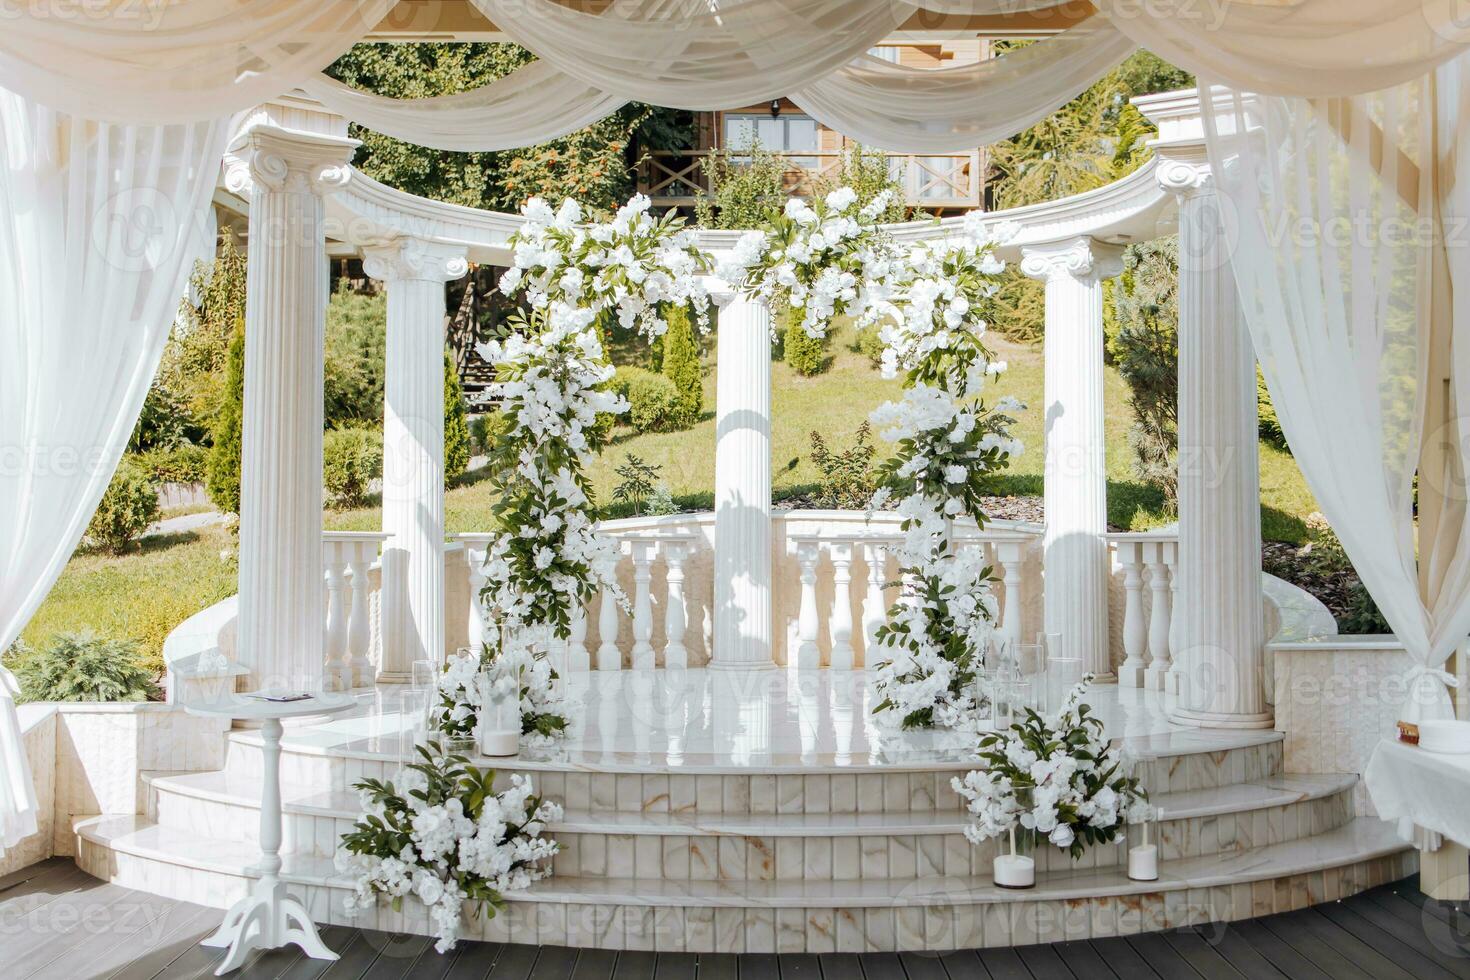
x: 443, y: 834
x: 828, y: 260
x: 551, y: 375
x: 946, y: 439
x: 1079, y: 793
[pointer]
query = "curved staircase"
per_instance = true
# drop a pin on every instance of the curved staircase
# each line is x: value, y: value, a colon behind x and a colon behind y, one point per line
x: 787, y: 857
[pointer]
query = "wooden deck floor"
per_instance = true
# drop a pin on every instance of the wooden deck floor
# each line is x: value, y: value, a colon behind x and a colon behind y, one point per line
x: 56, y: 922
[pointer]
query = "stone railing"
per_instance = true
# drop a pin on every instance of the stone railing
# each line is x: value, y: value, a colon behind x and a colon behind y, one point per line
x: 350, y: 562
x: 832, y: 583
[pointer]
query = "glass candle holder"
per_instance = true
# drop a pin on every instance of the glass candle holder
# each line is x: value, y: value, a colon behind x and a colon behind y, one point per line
x: 463, y: 745
x: 1015, y: 865
x: 500, y: 711
x: 1143, y: 847
x: 413, y: 722
x: 424, y: 674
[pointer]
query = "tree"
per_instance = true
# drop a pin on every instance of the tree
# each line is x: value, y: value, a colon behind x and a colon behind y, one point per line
x: 355, y: 358
x: 744, y: 189
x: 189, y: 387
x: 223, y: 481
x: 1146, y: 351
x: 680, y: 364
x: 456, y: 426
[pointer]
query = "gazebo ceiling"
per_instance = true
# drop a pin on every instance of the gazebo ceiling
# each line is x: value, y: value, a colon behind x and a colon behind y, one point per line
x: 459, y: 20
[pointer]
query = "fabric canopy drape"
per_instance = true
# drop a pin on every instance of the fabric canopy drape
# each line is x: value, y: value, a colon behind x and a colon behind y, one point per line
x: 176, y: 61
x: 531, y: 105
x: 100, y: 225
x: 951, y: 110
x: 1310, y: 48
x: 1338, y: 209
x: 693, y: 55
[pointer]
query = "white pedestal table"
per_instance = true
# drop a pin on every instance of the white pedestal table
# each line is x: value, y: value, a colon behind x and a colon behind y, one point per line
x: 268, y: 917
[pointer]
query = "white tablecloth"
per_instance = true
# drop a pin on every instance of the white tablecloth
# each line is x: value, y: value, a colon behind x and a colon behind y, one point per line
x: 1428, y: 789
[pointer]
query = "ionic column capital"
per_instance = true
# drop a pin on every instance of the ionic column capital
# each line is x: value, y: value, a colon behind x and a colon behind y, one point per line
x: 409, y: 258
x: 1081, y: 258
x: 1184, y: 172
x: 288, y: 160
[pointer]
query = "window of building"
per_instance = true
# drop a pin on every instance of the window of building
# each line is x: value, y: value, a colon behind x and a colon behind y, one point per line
x: 790, y: 134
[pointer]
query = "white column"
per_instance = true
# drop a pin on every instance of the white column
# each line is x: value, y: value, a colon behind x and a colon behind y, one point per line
x: 1220, y: 609
x: 286, y: 174
x: 1076, y: 479
x: 415, y: 272
x: 742, y: 636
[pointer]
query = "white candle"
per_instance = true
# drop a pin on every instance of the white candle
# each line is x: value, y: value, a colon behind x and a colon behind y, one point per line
x: 499, y: 743
x: 1143, y: 862
x: 1014, y: 871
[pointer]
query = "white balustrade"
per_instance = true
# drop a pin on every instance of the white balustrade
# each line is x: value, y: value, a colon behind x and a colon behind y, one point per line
x: 347, y: 558
x: 577, y: 659
x: 875, y: 605
x: 1147, y: 560
x: 642, y: 551
x: 609, y: 657
x: 475, y: 548
x: 842, y: 656
x: 676, y: 655
x: 808, y: 629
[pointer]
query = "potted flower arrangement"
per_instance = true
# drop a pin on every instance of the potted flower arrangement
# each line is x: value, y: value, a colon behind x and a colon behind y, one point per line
x: 443, y: 835
x: 1056, y: 777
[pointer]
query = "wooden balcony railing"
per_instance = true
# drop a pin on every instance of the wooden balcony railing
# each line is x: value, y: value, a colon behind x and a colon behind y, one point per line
x: 940, y: 181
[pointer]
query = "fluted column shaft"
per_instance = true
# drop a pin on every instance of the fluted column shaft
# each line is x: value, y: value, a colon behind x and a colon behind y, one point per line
x: 742, y: 634
x: 413, y: 450
x: 281, y: 604
x: 1076, y: 477
x: 1219, y: 614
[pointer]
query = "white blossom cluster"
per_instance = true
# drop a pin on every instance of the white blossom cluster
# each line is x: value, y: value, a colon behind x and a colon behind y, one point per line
x: 450, y: 854
x: 627, y: 266
x: 1057, y: 776
x: 827, y: 260
x: 462, y: 687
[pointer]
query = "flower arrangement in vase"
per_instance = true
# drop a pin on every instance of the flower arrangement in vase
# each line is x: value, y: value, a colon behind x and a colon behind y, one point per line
x: 442, y: 834
x: 1055, y: 777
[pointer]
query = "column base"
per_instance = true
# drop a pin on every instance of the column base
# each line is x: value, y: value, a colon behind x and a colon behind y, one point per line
x: 1132, y: 675
x: 1219, y: 719
x: 1107, y: 677
x: 395, y: 677
x: 727, y: 667
x: 1156, y: 678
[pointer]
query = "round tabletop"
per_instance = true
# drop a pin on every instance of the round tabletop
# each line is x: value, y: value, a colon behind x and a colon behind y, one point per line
x: 256, y: 704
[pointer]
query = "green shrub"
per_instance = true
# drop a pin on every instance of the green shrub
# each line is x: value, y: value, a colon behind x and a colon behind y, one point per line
x: 1267, y: 423
x: 456, y: 428
x: 183, y: 463
x: 351, y: 460
x: 847, y: 480
x: 639, y: 482
x: 661, y: 502
x: 653, y: 400
x: 355, y: 358
x: 680, y: 364
x: 1146, y: 351
x: 867, y: 343
x: 745, y: 187
x: 84, y: 667
x: 223, y: 481
x: 486, y: 430
x: 806, y: 354
x: 128, y: 506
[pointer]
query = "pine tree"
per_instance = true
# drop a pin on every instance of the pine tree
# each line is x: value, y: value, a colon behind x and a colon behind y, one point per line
x: 224, y: 458
x: 806, y: 354
x: 681, y: 366
x: 456, y: 427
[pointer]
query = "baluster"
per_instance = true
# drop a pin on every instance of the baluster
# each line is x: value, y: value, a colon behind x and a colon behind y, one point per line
x: 875, y: 607
x: 1171, y: 562
x: 841, y: 657
x: 808, y: 655
x: 1135, y: 630
x: 608, y: 655
x: 475, y: 619
x: 336, y: 672
x: 676, y: 656
x: 359, y: 628
x: 643, y: 658
x: 577, y: 659
x: 1159, y: 619
x: 1010, y: 554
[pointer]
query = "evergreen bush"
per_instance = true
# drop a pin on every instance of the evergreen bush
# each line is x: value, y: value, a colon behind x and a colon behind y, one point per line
x: 1146, y: 351
x: 223, y: 481
x: 652, y: 398
x: 456, y: 427
x: 127, y: 507
x: 84, y: 667
x: 806, y: 354
x: 680, y: 364
x: 351, y: 460
x: 182, y: 463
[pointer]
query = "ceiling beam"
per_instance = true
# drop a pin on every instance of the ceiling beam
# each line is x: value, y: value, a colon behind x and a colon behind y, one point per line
x: 459, y: 20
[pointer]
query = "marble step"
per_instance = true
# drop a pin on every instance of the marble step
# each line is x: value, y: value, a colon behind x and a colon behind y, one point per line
x: 691, y: 846
x: 1170, y: 763
x: 797, y: 916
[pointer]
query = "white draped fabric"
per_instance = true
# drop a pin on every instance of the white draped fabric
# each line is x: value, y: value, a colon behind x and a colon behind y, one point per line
x: 689, y: 54
x: 531, y: 105
x: 1303, y: 47
x: 951, y: 110
x: 18, y: 808
x: 175, y: 61
x: 1336, y: 209
x: 99, y: 227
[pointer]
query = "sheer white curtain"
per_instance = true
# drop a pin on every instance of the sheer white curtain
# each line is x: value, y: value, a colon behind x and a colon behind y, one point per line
x: 175, y: 61
x: 1321, y: 48
x: 950, y: 110
x: 1337, y: 209
x: 690, y: 54
x: 99, y: 227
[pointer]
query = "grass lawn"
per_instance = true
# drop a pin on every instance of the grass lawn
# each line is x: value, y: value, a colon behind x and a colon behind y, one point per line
x: 143, y: 595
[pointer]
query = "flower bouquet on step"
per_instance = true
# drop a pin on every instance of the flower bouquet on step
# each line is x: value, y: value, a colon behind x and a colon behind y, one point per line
x: 1057, y: 776
x: 442, y: 834
x: 462, y: 693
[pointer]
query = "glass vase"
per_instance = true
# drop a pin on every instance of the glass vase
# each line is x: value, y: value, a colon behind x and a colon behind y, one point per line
x: 499, y: 725
x: 1015, y: 864
x: 1143, y: 847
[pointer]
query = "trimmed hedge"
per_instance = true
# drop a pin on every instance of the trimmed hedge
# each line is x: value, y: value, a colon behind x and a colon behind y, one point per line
x: 351, y: 460
x: 806, y: 354
x: 680, y: 364
x: 128, y: 506
x: 184, y: 463
x: 653, y: 399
